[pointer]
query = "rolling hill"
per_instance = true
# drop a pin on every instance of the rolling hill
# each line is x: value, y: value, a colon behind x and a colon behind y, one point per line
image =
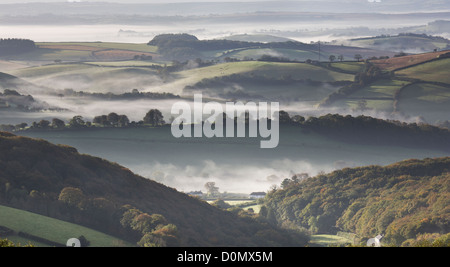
x: 401, y: 201
x: 58, y: 182
x: 318, y: 144
x: 257, y: 38
x: 11, y: 82
x: 410, y: 86
x: 408, y: 42
x: 399, y: 63
x: 88, y: 51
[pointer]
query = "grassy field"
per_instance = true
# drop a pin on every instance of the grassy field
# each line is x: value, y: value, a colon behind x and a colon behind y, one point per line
x: 256, y: 207
x: 395, y: 63
x: 103, y: 46
x: 427, y: 100
x: 378, y: 96
x: 125, y: 63
x: 256, y: 53
x: 380, y: 89
x: 329, y: 240
x: 50, y: 52
x: 269, y: 69
x: 102, y: 76
x: 53, y: 69
x: 354, y: 67
x: 401, y: 43
x: 52, y: 55
x: 92, y: 77
x: 435, y: 71
x: 52, y: 229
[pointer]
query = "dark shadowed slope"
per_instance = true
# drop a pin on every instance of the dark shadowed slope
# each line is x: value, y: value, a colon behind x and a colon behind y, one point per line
x: 59, y: 182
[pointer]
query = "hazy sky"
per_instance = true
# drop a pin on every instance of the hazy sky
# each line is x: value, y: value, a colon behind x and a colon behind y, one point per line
x: 127, y: 1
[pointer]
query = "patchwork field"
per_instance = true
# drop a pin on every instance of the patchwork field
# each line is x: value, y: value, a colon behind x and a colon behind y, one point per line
x: 92, y: 77
x: 396, y: 63
x: 435, y: 71
x: 75, y: 52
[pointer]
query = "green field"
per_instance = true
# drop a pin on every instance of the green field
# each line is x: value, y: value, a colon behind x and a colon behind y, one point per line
x: 353, y: 67
x: 256, y: 207
x: 297, y: 71
x: 91, y: 77
x: 435, y: 71
x: 106, y: 45
x: 401, y: 43
x: 329, y: 240
x: 256, y: 53
x: 78, y: 51
x: 52, y: 229
x: 51, y: 55
x: 427, y: 100
x: 378, y: 96
x: 53, y: 70
x: 126, y: 63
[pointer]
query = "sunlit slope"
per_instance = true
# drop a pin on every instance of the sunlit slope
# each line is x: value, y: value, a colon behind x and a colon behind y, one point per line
x: 418, y: 86
x: 434, y: 71
x: 256, y: 53
x: 256, y: 80
x: 92, y: 77
x: 52, y: 229
x: 399, y: 63
x: 127, y: 75
x: 269, y: 69
x: 404, y: 42
x: 11, y: 82
x: 81, y: 51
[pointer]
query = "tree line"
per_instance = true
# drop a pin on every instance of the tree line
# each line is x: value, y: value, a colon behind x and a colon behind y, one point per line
x: 134, y: 94
x: 360, y: 129
x: 16, y: 46
x: 368, y: 130
x: 153, y: 118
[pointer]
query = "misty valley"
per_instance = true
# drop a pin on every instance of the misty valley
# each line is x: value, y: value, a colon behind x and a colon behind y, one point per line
x: 151, y: 127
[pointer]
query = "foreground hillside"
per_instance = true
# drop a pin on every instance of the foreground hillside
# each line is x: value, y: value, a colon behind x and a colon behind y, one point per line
x: 25, y: 227
x: 58, y: 182
x: 401, y: 201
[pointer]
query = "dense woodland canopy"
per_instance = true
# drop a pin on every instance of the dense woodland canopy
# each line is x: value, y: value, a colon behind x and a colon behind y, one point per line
x: 401, y: 201
x: 16, y: 46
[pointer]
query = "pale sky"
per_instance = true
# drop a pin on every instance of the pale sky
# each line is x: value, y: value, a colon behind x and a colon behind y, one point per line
x: 128, y: 1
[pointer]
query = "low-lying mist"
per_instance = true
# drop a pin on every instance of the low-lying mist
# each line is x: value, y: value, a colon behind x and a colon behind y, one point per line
x: 228, y: 177
x: 89, y: 108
